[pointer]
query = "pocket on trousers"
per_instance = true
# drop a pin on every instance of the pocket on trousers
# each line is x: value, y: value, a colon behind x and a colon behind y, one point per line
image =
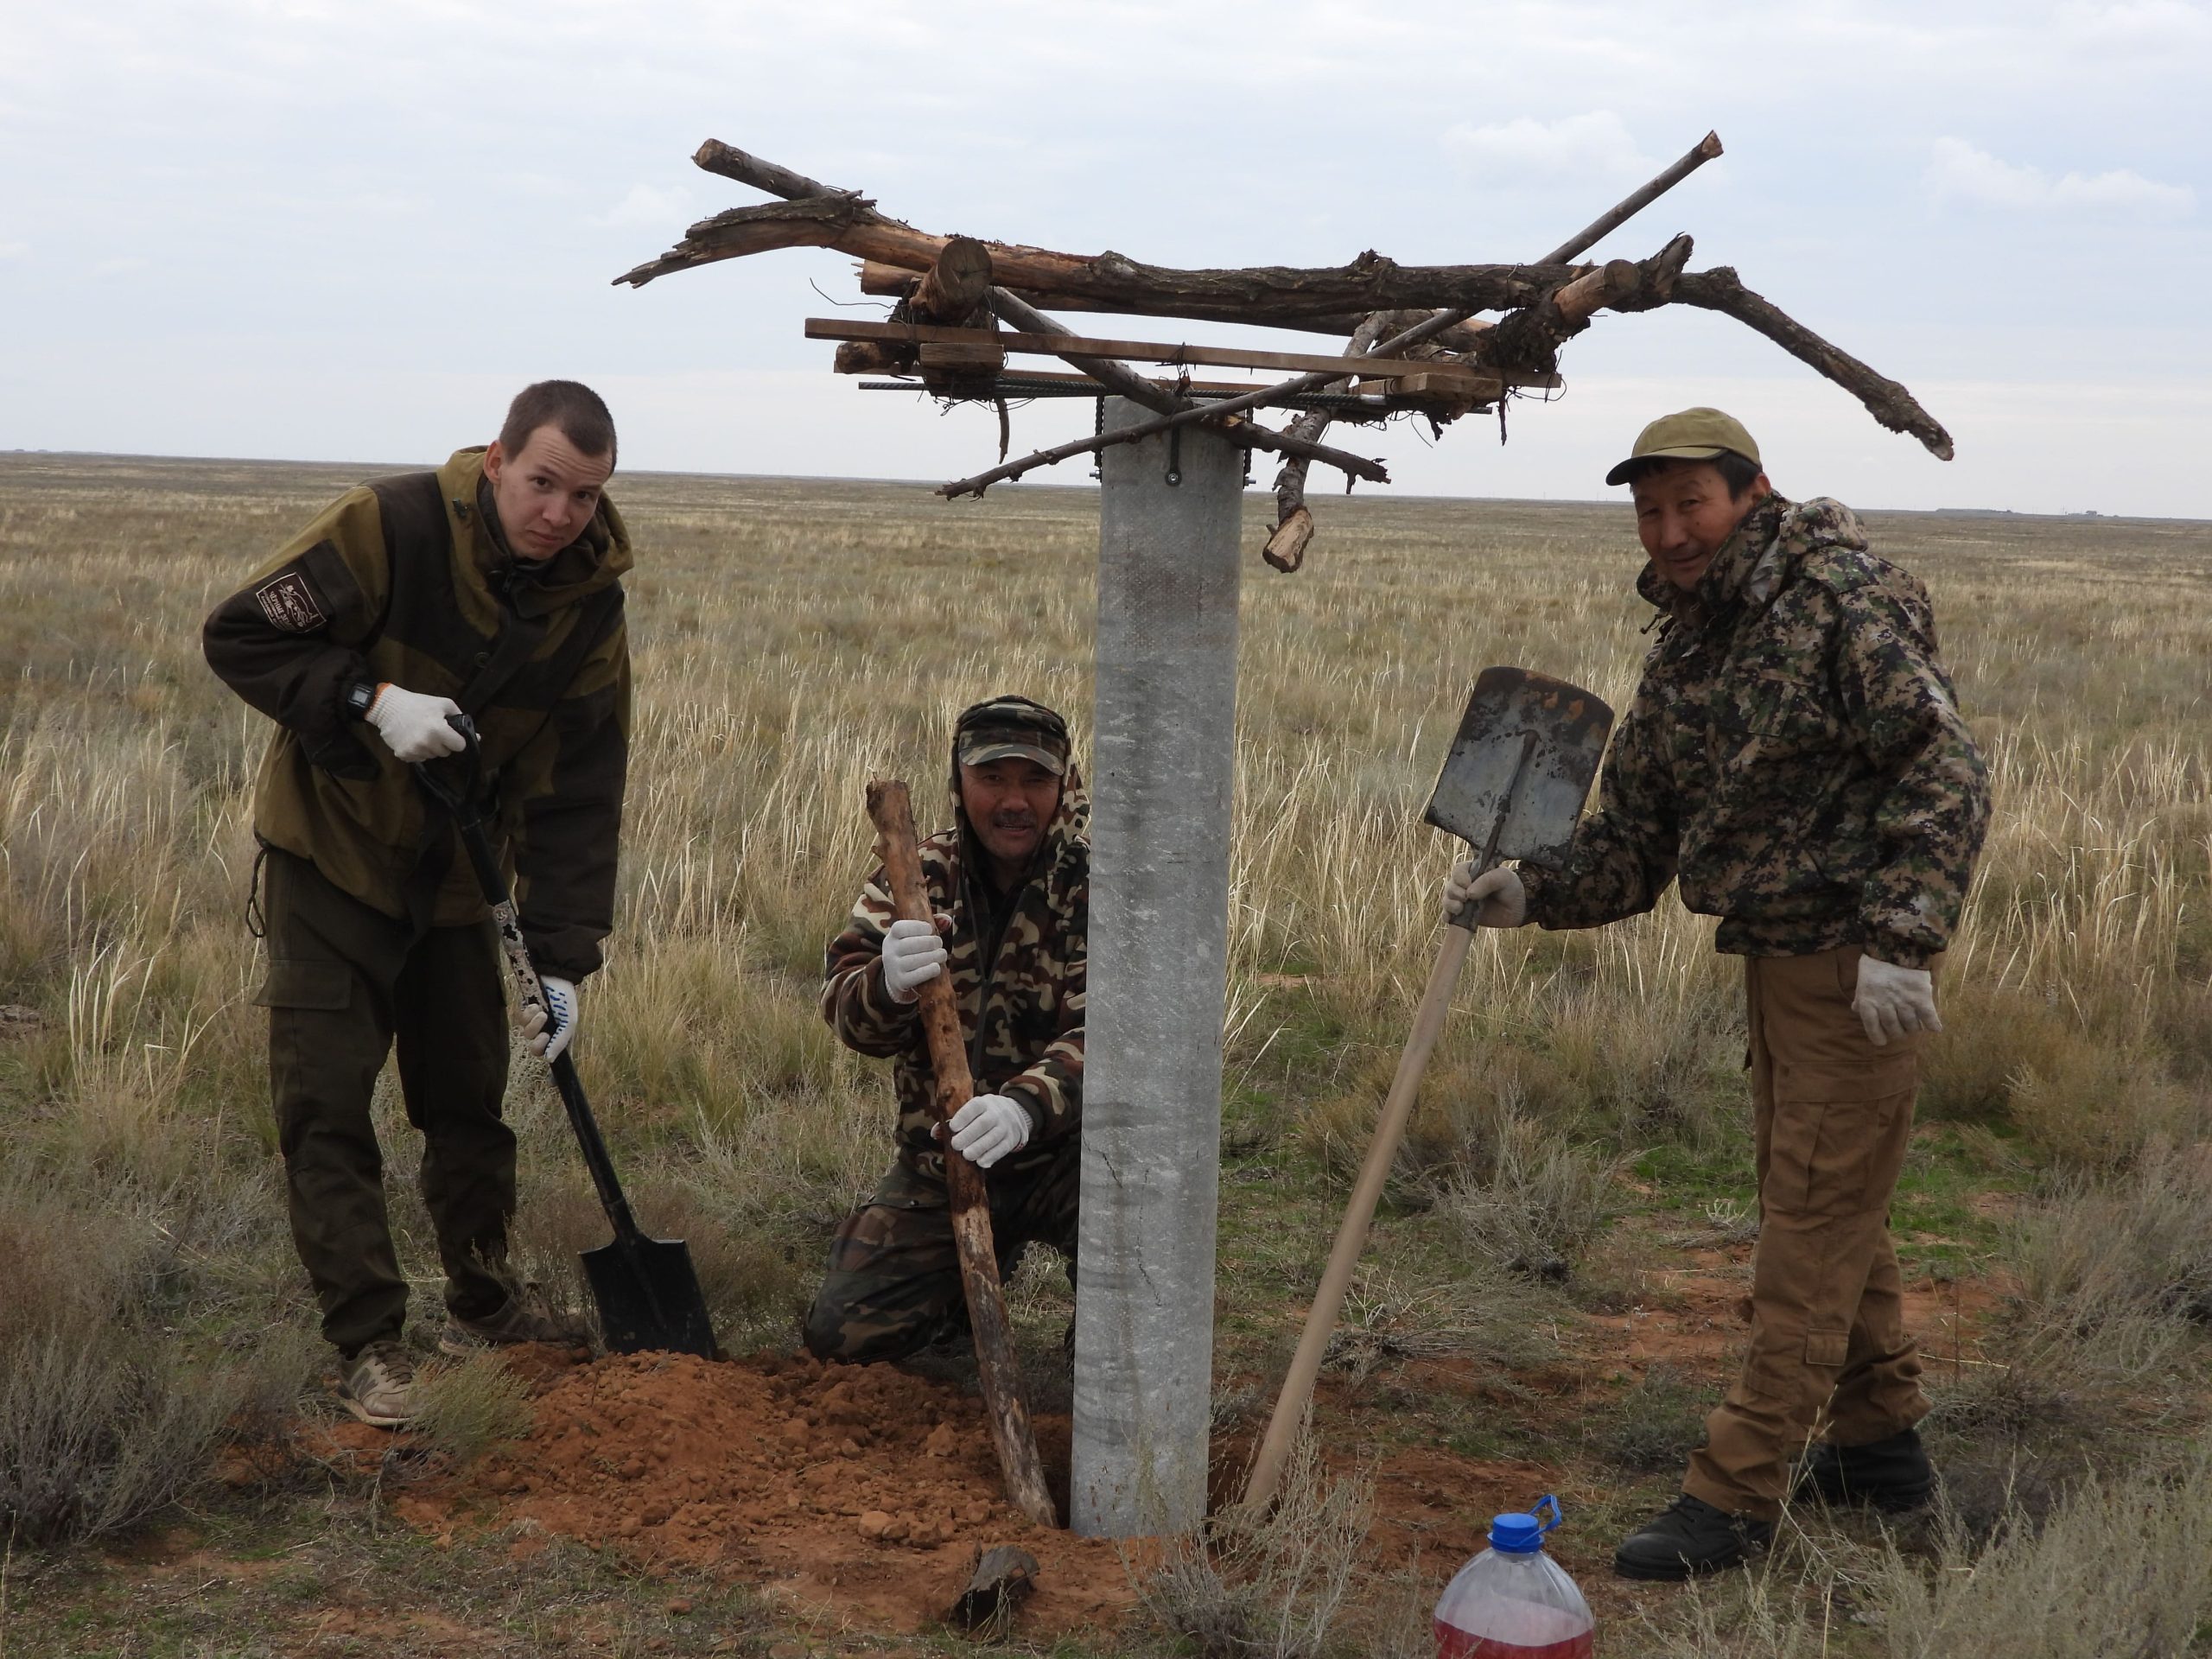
x: 1828, y: 1139
x: 1828, y: 1348
x: 326, y: 986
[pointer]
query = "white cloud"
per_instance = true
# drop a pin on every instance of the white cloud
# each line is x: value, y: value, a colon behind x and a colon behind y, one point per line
x: 668, y: 210
x: 1580, y: 147
x: 2150, y: 26
x: 1958, y: 171
x: 14, y: 250
x: 120, y: 266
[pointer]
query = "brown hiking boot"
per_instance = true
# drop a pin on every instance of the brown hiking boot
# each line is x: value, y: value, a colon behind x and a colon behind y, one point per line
x: 378, y: 1386
x: 528, y: 1316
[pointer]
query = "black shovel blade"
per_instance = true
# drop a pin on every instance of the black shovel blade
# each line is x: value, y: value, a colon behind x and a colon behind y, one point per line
x: 649, y: 1297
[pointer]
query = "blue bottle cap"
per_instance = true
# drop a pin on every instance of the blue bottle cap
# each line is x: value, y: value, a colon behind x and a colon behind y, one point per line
x: 1523, y: 1535
x: 1516, y: 1535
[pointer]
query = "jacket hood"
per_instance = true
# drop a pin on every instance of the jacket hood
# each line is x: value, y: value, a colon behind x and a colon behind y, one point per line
x: 1762, y: 553
x: 599, y: 557
x: 1065, y: 830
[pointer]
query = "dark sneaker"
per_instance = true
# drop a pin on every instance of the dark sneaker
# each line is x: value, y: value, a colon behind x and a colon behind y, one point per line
x: 528, y: 1316
x: 1892, y: 1475
x: 1689, y: 1535
x: 378, y: 1386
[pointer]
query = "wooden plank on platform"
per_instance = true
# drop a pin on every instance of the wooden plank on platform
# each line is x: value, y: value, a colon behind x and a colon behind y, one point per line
x: 962, y: 357
x: 1144, y: 351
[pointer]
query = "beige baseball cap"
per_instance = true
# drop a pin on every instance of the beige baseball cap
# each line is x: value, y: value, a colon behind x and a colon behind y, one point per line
x: 1691, y: 434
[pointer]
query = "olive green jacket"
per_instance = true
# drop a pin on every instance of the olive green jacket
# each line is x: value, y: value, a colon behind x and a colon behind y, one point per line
x: 409, y: 580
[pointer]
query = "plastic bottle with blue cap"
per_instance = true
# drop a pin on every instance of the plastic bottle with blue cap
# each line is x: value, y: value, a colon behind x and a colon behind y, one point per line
x: 1513, y: 1601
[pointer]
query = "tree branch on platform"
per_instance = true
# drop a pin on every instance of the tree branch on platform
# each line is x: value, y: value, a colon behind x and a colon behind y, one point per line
x: 1719, y: 289
x: 1547, y: 304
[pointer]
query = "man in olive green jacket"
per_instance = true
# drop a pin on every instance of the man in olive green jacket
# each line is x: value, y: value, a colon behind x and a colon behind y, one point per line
x: 490, y: 587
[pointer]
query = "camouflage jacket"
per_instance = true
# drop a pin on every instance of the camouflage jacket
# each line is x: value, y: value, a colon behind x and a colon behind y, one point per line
x: 409, y: 580
x: 1793, y: 756
x: 1021, y: 1012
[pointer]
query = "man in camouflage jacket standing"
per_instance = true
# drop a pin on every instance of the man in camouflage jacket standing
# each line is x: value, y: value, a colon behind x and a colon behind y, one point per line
x: 490, y: 587
x: 1009, y: 884
x: 1795, y: 758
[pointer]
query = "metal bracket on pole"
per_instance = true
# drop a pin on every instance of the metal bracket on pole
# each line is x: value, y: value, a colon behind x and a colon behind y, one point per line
x: 1164, y: 763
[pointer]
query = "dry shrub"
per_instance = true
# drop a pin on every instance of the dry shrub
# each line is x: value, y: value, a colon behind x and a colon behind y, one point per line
x: 2137, y: 1246
x: 2100, y: 1104
x: 469, y: 1407
x: 2111, y: 1275
x: 1653, y: 1062
x: 2118, y: 1568
x: 105, y: 1415
x: 1478, y: 1316
x: 1529, y: 1200
x: 1654, y: 1425
x: 2085, y: 1094
x: 1272, y: 1587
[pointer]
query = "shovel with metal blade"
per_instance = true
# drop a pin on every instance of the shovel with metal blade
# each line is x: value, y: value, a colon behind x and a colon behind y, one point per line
x: 1512, y: 787
x: 646, y: 1289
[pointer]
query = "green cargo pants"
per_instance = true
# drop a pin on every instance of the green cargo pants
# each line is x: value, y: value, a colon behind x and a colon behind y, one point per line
x: 345, y: 980
x: 894, y: 1272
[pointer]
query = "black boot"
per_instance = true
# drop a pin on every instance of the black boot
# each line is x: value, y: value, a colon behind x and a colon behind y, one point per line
x: 1892, y: 1475
x: 1689, y: 1535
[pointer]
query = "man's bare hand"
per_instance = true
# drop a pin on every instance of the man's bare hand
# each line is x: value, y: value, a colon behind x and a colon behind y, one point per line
x: 1891, y: 1000
x: 1497, y: 897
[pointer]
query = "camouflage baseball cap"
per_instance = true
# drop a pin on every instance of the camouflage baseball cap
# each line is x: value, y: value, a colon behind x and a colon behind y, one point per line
x: 1009, y: 728
x: 1692, y: 434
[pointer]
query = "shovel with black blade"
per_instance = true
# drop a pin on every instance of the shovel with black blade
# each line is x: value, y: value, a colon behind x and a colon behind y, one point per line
x: 647, y: 1291
x: 1512, y: 787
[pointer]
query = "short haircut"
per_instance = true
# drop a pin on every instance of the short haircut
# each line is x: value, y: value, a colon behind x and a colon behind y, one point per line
x: 569, y: 404
x: 1736, y: 471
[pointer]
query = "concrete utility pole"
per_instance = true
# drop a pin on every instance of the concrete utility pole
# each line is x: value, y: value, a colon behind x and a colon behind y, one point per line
x: 1164, y: 754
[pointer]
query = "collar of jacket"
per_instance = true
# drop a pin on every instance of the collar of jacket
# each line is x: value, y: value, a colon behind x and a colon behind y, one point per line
x: 1748, y: 569
x: 599, y: 556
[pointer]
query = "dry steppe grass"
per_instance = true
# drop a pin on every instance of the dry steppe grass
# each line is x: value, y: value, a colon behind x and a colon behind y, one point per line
x: 1583, y: 1109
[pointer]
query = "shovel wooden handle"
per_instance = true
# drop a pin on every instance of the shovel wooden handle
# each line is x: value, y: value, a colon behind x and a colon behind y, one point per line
x: 1351, y: 1234
x: 892, y: 812
x: 1381, y: 1153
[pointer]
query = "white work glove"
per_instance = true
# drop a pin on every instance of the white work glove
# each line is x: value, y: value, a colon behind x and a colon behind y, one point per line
x: 914, y: 954
x: 413, y: 725
x: 1500, y: 899
x: 1891, y: 1000
x: 561, y: 998
x: 988, y: 1128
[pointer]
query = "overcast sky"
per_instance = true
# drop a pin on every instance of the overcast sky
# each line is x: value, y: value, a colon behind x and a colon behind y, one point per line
x: 350, y: 231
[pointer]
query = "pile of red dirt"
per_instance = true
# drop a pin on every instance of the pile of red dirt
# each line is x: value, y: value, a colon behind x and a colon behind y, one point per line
x: 861, y: 1486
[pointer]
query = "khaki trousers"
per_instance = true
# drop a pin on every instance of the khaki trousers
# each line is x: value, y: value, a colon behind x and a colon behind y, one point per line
x: 1831, y: 1117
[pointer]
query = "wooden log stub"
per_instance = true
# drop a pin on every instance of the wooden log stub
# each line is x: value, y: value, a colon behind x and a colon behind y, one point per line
x: 953, y: 289
x: 1286, y: 548
x: 872, y: 357
x: 891, y: 811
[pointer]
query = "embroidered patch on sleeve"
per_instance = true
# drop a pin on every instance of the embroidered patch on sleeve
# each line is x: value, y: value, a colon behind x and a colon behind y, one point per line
x: 288, y: 603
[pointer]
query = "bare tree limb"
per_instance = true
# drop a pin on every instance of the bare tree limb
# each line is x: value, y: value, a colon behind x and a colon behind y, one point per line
x: 1719, y: 289
x: 1286, y: 543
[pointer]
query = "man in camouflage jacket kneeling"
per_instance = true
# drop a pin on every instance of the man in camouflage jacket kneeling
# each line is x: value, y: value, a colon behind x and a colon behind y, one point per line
x: 1795, y: 758
x: 1009, y: 884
